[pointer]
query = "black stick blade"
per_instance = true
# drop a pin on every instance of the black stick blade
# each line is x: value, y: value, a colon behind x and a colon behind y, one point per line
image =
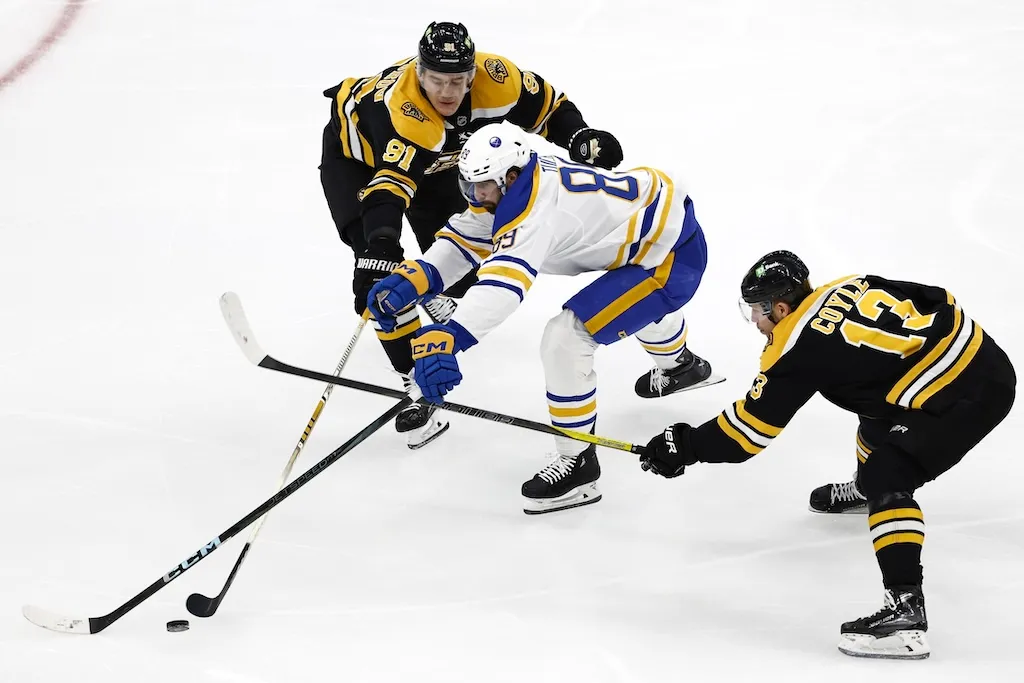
x: 202, y: 606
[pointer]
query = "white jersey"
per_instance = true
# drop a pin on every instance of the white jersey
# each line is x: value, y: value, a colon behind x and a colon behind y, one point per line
x: 561, y: 218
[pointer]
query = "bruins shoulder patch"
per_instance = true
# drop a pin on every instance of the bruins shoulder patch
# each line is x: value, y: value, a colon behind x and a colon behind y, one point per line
x: 412, y: 111
x: 496, y: 69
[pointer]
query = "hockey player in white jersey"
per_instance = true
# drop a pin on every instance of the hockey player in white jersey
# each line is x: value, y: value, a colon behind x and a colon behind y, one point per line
x: 530, y: 214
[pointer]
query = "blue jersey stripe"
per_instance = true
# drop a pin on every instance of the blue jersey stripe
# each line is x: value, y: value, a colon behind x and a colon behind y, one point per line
x: 570, y: 399
x: 518, y: 261
x: 494, y: 283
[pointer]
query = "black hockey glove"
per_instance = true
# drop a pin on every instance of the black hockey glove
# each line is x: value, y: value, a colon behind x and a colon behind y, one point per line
x: 596, y: 147
x: 670, y: 452
x: 376, y: 263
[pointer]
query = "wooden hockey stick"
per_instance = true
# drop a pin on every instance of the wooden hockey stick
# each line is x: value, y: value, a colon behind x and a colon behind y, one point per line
x: 203, y: 606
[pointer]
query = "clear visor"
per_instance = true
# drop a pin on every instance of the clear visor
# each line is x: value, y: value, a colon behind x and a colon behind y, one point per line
x: 436, y: 81
x: 752, y: 313
x: 469, y: 189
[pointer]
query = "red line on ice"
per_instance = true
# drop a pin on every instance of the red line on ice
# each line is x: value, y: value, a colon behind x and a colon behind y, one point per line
x: 43, y: 45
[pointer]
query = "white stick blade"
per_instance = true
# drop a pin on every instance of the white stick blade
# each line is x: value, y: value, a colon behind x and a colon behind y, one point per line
x: 54, y: 622
x: 234, y: 316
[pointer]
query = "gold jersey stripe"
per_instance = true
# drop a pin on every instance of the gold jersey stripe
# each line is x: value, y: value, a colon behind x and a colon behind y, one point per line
x: 666, y: 207
x: 514, y: 223
x: 396, y: 176
x: 573, y: 412
x: 616, y: 308
x: 901, y: 537
x: 465, y: 244
x: 399, y: 332
x: 737, y: 436
x: 511, y: 273
x: 922, y: 365
x: 757, y: 424
x: 387, y: 186
x: 948, y: 376
x: 899, y: 513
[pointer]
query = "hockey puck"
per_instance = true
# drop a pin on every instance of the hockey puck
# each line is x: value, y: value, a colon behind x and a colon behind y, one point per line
x: 177, y: 626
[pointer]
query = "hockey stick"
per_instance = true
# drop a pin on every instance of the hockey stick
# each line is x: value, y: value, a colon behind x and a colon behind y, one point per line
x: 198, y: 604
x: 234, y: 315
x: 90, y: 625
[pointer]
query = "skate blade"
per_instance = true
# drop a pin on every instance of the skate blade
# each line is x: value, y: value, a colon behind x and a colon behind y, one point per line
x: 429, y: 436
x: 707, y: 382
x: 899, y: 645
x: 860, y: 510
x: 577, y: 497
x: 711, y: 379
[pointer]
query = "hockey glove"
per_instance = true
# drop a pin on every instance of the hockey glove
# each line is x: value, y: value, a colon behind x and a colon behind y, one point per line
x: 372, y: 266
x: 596, y: 147
x: 411, y: 281
x: 437, y: 371
x: 670, y: 452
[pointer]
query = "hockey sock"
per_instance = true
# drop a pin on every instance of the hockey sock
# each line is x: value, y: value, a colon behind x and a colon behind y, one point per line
x: 398, y: 343
x: 664, y: 340
x: 897, y: 529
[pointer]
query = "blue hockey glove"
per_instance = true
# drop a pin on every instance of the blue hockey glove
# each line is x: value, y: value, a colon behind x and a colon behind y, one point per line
x: 410, y: 282
x: 437, y: 370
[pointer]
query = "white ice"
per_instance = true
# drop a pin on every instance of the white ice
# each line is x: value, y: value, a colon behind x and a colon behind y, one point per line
x: 164, y: 152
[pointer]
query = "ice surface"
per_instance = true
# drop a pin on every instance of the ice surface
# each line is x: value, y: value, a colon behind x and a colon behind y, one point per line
x: 165, y: 152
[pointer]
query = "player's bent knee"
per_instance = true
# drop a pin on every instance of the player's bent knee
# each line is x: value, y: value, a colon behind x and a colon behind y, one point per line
x: 565, y: 340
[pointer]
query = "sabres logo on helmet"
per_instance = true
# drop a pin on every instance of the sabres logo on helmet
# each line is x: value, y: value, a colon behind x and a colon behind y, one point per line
x: 496, y: 69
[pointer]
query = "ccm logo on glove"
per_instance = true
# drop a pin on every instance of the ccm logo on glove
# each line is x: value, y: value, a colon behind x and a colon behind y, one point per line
x: 429, y: 348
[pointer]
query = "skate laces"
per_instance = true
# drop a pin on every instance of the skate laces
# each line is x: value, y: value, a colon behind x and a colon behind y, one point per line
x: 846, y: 493
x: 440, y: 308
x: 557, y: 468
x: 659, y: 380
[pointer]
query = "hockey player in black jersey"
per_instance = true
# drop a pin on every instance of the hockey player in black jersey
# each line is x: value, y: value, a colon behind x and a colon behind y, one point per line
x: 392, y: 148
x: 926, y: 381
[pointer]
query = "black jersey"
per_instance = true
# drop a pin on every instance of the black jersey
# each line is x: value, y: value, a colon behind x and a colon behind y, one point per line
x: 872, y: 346
x: 386, y: 121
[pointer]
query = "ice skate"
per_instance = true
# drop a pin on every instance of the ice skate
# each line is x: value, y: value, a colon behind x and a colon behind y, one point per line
x: 897, y: 631
x: 692, y: 372
x: 568, y: 481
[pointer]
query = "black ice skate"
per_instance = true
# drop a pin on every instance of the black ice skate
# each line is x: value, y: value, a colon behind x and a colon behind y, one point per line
x: 835, y: 499
x: 440, y: 308
x: 420, y: 422
x: 691, y: 373
x: 897, y: 631
x: 568, y: 481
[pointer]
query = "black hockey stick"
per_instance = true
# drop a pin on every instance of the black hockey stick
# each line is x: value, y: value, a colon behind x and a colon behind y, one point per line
x: 90, y: 625
x: 202, y: 606
x: 234, y: 315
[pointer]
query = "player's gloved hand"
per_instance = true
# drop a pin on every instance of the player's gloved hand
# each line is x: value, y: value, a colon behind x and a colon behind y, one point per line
x: 437, y: 370
x: 372, y: 266
x: 670, y: 452
x: 411, y: 281
x: 596, y: 147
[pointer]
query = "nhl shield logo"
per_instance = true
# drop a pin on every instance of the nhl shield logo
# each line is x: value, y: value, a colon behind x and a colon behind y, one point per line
x: 496, y: 69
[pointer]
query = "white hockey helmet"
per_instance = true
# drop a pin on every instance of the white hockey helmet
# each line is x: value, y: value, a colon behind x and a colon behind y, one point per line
x: 490, y: 153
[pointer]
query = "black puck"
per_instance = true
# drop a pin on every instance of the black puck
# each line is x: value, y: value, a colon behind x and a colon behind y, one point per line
x: 177, y: 625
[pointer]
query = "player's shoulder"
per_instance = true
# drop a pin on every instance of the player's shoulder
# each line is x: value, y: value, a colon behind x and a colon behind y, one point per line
x: 530, y: 192
x: 412, y: 116
x: 497, y: 84
x: 807, y: 332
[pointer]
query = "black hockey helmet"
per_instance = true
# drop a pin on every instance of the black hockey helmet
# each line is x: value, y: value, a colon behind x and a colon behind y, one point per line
x: 447, y: 48
x: 778, y: 276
